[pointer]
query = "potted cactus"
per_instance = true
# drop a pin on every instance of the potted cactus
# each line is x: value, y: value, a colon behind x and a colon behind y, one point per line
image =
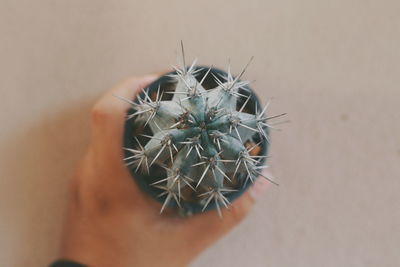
x: 196, y: 138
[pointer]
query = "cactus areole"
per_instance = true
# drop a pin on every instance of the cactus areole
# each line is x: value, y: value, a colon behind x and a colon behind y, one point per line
x: 196, y: 139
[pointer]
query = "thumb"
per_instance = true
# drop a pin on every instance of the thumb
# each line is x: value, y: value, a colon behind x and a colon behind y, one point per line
x: 209, y: 227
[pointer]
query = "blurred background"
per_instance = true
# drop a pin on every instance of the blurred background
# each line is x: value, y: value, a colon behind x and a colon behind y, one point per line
x: 333, y: 66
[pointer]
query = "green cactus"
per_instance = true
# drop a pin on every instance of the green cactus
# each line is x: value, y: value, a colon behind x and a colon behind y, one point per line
x: 201, y: 138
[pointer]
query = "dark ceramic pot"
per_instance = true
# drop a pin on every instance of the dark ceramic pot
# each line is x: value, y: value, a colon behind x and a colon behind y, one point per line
x: 132, y: 129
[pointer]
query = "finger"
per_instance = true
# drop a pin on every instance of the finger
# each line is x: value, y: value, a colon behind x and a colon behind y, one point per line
x: 105, y: 149
x: 109, y: 114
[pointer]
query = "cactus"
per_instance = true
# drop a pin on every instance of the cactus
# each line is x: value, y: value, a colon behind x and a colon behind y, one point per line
x: 202, y: 140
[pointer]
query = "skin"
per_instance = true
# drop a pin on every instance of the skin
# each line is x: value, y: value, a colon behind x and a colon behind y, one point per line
x: 110, y: 222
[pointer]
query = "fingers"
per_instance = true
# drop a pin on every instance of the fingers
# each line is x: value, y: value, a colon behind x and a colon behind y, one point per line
x: 107, y: 171
x: 207, y: 227
x: 109, y: 113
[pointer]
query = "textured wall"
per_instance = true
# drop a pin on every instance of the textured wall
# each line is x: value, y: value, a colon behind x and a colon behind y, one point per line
x: 334, y: 66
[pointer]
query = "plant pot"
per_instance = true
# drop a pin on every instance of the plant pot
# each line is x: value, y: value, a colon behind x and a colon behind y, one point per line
x: 132, y: 130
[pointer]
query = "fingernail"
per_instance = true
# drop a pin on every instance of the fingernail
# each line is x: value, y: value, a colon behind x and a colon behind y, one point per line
x: 260, y: 186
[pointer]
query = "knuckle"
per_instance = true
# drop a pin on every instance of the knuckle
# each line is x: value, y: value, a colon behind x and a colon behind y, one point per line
x: 238, y: 213
x: 102, y: 203
x: 76, y: 193
x: 91, y: 200
x: 99, y: 113
x: 241, y: 209
x: 87, y: 196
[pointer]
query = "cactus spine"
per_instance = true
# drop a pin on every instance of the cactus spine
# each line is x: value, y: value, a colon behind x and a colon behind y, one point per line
x: 203, y: 139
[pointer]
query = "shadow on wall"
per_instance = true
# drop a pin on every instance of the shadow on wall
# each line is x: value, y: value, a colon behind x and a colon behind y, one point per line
x: 40, y: 158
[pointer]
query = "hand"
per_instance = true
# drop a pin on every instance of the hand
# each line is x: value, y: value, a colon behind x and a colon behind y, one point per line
x: 110, y: 222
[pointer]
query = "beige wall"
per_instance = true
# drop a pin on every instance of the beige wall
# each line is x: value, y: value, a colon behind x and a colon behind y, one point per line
x: 334, y: 66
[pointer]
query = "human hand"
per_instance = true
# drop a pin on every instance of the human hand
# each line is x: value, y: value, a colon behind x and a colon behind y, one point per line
x: 110, y: 222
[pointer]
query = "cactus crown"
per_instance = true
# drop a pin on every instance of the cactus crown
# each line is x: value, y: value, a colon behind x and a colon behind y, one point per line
x: 202, y: 138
